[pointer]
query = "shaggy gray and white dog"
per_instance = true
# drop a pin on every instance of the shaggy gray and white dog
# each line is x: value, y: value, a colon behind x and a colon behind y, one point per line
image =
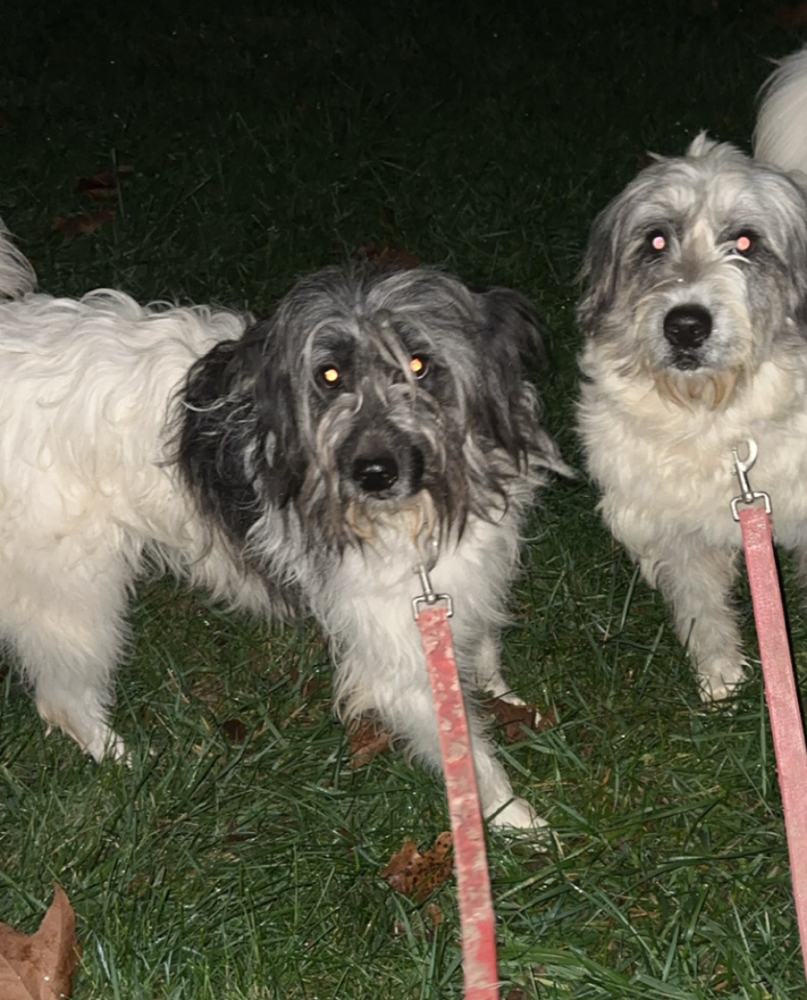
x: 306, y: 464
x: 695, y: 314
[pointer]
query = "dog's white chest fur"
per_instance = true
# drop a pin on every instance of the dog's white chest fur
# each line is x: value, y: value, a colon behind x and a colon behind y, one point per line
x: 667, y: 471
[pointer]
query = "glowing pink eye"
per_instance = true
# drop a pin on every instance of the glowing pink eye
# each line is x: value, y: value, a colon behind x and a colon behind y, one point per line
x: 744, y: 243
x: 657, y: 241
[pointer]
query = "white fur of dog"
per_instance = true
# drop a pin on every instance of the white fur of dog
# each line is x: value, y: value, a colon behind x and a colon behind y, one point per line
x: 695, y: 315
x: 306, y: 464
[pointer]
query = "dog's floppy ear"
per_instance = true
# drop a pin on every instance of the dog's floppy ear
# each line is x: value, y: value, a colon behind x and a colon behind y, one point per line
x: 599, y: 273
x: 235, y: 443
x: 515, y: 331
x: 512, y: 341
x: 215, y: 437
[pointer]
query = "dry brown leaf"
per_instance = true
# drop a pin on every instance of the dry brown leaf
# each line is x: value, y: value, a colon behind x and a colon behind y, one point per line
x: 417, y: 875
x: 103, y: 185
x: 386, y: 256
x: 235, y: 730
x: 100, y: 187
x: 517, y: 721
x: 71, y: 226
x: 793, y: 17
x: 367, y: 740
x: 40, y: 966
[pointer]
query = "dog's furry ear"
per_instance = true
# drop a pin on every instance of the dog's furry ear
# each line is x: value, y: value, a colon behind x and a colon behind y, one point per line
x: 512, y: 343
x: 215, y: 435
x: 599, y: 273
x: 235, y: 446
x: 515, y: 331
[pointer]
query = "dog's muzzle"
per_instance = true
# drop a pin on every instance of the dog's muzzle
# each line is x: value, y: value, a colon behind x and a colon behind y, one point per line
x: 686, y: 329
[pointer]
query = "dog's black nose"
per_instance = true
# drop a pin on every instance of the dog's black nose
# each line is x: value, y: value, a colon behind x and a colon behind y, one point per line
x: 687, y: 327
x: 377, y: 474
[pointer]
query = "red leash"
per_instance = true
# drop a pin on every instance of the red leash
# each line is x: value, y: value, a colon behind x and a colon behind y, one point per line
x: 780, y: 684
x: 470, y: 857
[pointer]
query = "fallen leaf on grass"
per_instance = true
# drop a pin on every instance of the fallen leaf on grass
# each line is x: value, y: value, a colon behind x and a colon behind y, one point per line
x: 40, y: 966
x: 792, y: 17
x: 103, y: 185
x: 367, y: 740
x: 72, y: 226
x: 417, y: 875
x: 517, y: 721
x: 386, y: 256
x: 235, y: 730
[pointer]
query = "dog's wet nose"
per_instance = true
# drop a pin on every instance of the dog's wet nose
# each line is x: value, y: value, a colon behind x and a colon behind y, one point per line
x: 687, y: 326
x: 376, y: 474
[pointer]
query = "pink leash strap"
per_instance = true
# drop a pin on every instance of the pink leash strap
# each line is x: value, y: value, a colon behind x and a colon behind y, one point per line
x: 782, y: 698
x: 470, y: 857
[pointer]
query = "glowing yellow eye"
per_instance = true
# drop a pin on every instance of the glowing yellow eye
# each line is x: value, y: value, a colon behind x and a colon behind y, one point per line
x: 418, y: 366
x: 330, y: 376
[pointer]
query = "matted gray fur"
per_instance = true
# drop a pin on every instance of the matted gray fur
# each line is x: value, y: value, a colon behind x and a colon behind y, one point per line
x: 696, y: 342
x: 302, y: 465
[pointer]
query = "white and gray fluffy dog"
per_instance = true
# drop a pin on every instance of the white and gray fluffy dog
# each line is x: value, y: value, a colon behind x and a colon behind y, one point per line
x: 695, y: 315
x: 305, y: 464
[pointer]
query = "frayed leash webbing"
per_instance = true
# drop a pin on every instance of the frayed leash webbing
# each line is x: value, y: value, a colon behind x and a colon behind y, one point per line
x: 782, y: 698
x: 470, y: 857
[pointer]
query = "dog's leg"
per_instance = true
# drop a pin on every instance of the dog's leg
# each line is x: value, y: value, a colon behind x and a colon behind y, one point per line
x: 499, y: 805
x: 698, y: 584
x: 489, y: 672
x: 411, y: 716
x: 381, y: 670
x: 384, y: 676
x: 71, y: 675
x: 68, y: 636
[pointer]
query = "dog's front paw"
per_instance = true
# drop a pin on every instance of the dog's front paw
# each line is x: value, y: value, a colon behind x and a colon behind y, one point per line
x: 105, y: 744
x: 518, y: 814
x: 719, y: 678
x: 496, y: 686
x: 509, y: 698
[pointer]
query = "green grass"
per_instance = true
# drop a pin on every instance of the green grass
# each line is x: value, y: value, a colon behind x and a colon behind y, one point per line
x: 238, y: 858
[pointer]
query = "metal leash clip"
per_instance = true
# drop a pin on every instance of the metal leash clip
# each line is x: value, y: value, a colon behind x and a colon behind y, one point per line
x: 741, y: 468
x: 428, y: 597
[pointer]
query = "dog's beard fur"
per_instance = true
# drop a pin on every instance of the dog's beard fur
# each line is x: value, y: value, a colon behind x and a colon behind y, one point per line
x: 711, y: 391
x: 694, y: 312
x: 302, y: 464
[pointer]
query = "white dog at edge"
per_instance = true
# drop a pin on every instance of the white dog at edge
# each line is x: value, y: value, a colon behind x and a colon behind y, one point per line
x: 695, y: 316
